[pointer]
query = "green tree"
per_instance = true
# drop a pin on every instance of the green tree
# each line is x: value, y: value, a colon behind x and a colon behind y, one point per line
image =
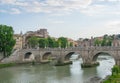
x: 7, y: 41
x: 71, y: 44
x: 98, y: 42
x: 51, y: 42
x: 63, y: 42
x: 56, y: 44
x: 104, y: 42
x: 107, y: 41
x: 33, y: 42
x: 43, y: 43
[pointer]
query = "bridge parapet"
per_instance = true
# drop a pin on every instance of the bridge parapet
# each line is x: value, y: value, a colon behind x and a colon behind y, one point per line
x: 81, y: 48
x: 87, y: 53
x: 93, y: 48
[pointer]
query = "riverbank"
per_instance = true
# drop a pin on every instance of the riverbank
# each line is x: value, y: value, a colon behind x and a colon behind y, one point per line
x: 112, y: 79
x: 3, y: 65
x: 115, y: 77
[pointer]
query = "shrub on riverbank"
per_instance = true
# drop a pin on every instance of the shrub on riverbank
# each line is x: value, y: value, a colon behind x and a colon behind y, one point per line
x: 6, y: 65
x: 3, y: 65
x: 115, y: 77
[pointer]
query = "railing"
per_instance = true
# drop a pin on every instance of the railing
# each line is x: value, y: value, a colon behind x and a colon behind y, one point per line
x: 83, y: 48
x: 108, y: 48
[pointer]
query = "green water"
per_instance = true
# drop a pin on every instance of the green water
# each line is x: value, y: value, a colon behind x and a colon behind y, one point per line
x: 51, y: 74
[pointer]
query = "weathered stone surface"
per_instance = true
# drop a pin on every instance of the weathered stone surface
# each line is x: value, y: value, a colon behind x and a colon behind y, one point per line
x: 88, y: 54
x: 94, y: 80
x: 13, y: 58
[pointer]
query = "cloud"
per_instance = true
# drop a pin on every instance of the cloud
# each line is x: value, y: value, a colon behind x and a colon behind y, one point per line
x: 112, y: 26
x: 110, y: 0
x: 55, y: 21
x: 7, y: 1
x: 14, y: 2
x: 113, y: 0
x: 3, y: 11
x: 105, y: 27
x: 11, y: 11
x: 47, y: 6
x: 15, y: 11
x: 94, y: 10
x: 101, y: 9
x: 63, y: 7
x: 58, y: 22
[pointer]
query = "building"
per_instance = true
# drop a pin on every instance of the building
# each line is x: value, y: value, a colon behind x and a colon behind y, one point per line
x: 42, y: 33
x: 22, y: 40
x: 74, y: 43
x: 85, y: 42
x: 116, y: 41
x: 19, y: 43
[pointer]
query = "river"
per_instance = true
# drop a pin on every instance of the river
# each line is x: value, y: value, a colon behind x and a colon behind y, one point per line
x: 46, y: 73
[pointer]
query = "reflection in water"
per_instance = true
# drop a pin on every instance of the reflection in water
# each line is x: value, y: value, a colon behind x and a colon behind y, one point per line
x: 63, y: 71
x: 89, y: 72
x: 51, y: 74
x: 6, y: 76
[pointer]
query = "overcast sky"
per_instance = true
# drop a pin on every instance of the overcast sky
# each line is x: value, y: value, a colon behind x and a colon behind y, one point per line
x: 69, y: 18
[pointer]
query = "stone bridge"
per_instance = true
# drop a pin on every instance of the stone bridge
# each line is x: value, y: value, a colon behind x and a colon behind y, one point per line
x: 88, y: 54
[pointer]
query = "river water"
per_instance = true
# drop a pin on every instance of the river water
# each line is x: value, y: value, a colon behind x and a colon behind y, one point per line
x: 46, y: 73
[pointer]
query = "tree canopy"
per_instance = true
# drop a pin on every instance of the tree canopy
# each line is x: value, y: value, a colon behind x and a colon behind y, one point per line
x: 7, y: 41
x: 63, y: 42
x: 33, y: 42
x: 54, y: 43
x: 43, y: 43
x: 106, y: 41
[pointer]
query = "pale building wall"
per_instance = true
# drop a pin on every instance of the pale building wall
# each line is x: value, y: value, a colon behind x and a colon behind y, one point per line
x: 19, y: 43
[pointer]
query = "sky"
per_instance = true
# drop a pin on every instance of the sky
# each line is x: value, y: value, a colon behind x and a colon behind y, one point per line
x: 69, y: 18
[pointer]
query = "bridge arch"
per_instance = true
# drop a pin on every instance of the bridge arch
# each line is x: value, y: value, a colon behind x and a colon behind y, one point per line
x: 46, y: 55
x: 29, y: 56
x: 99, y: 53
x: 68, y: 55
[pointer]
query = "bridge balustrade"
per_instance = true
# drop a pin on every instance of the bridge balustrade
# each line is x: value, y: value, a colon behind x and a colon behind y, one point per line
x: 76, y: 48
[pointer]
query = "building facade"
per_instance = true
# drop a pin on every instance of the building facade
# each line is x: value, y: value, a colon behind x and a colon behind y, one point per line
x: 74, y: 43
x: 19, y: 43
x: 22, y: 39
x: 85, y: 42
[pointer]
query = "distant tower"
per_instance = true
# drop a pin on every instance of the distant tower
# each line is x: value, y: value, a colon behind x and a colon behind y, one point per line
x: 21, y: 33
x: 116, y: 41
x: 92, y: 41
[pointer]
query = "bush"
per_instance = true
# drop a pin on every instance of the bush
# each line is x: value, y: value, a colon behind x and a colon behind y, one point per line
x: 115, y: 77
x: 6, y: 65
